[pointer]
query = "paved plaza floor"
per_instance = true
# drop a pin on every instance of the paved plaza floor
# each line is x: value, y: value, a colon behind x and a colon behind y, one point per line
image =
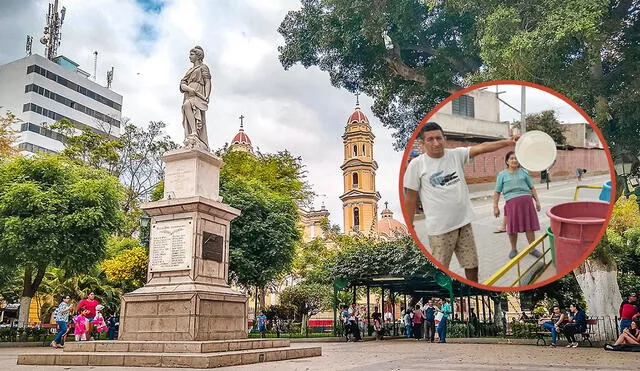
x: 493, y: 248
x: 407, y: 354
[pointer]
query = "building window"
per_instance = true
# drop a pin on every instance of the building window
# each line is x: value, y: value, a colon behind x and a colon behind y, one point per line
x: 364, y: 153
x: 355, y: 150
x: 356, y: 219
x: 75, y: 87
x: 27, y: 126
x: 68, y: 102
x: 463, y: 106
x: 355, y: 180
x: 34, y: 148
x: 56, y: 116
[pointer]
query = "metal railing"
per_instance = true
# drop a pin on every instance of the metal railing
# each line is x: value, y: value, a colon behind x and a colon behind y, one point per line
x: 516, y: 263
x: 579, y: 187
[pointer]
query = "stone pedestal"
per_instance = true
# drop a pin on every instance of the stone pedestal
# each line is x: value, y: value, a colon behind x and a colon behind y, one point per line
x: 186, y: 296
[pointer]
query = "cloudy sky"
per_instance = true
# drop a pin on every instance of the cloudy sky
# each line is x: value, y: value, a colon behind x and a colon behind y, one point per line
x: 148, y: 42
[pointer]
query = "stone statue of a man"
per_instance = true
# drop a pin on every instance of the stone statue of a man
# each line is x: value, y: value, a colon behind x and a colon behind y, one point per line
x: 196, y: 86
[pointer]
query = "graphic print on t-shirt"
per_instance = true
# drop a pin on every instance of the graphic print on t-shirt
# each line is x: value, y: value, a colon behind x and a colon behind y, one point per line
x: 443, y: 180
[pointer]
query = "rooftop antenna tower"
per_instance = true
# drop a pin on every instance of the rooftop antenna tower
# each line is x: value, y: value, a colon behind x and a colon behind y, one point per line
x: 109, y: 77
x: 29, y: 45
x: 52, y: 36
x: 95, y: 65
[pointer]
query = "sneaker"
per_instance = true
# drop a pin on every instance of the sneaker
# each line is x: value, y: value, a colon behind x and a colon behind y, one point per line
x: 513, y: 254
x: 570, y: 345
x: 552, y: 345
x: 535, y: 253
x: 574, y: 345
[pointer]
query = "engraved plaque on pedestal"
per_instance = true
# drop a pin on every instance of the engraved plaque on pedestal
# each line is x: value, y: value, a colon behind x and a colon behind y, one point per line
x: 170, y: 245
x: 212, y: 246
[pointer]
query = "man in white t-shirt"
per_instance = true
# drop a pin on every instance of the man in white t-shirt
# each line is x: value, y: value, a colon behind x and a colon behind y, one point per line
x: 438, y: 176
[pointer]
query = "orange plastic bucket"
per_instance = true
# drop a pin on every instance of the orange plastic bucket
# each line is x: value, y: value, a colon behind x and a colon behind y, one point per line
x: 575, y: 226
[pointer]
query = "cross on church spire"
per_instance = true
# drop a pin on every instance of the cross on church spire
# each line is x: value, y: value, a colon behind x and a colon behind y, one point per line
x: 357, y: 99
x: 241, y: 121
x: 386, y: 205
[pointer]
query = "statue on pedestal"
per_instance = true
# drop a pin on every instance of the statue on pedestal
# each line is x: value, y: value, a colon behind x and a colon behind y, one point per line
x: 196, y: 86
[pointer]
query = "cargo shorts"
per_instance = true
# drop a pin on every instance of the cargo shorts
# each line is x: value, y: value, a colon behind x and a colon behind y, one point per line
x: 459, y: 241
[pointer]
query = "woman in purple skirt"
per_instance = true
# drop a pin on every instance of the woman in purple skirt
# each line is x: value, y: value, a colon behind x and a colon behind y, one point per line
x: 519, y: 193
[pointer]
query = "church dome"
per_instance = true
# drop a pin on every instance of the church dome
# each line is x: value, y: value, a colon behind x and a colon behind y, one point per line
x: 357, y: 117
x: 388, y: 227
x: 241, y: 137
x: 241, y: 141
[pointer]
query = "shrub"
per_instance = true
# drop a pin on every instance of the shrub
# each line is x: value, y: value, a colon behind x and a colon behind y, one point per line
x: 524, y: 330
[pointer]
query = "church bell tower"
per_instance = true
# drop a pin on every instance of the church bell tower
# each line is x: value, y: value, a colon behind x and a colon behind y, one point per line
x: 360, y: 198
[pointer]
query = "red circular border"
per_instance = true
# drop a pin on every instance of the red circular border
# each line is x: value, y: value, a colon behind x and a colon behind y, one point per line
x: 403, y: 168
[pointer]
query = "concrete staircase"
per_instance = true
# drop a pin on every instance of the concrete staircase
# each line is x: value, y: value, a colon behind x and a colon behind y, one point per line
x: 193, y: 354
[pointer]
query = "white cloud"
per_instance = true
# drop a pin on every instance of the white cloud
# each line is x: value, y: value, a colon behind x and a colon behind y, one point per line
x: 297, y: 110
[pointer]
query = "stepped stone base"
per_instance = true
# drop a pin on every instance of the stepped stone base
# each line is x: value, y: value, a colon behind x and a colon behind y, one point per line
x: 191, y: 354
x: 183, y: 316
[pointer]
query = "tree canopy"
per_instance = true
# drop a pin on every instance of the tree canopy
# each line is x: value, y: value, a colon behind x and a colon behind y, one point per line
x: 267, y: 189
x: 585, y: 49
x: 547, y: 121
x: 54, y: 213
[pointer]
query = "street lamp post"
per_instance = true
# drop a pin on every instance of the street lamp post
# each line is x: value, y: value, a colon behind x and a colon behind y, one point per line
x: 145, y: 231
x: 623, y: 165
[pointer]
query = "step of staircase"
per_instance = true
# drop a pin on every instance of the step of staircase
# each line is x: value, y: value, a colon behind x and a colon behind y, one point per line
x: 174, y: 346
x: 154, y: 359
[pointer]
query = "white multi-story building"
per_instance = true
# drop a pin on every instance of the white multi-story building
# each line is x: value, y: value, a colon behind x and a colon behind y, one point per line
x: 40, y: 91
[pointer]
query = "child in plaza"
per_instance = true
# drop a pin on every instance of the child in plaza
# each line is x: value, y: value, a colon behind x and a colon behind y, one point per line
x: 98, y: 321
x: 438, y: 177
x: 80, y: 324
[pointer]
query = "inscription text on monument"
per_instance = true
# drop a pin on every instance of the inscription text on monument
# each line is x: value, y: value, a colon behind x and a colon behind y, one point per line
x: 170, y: 245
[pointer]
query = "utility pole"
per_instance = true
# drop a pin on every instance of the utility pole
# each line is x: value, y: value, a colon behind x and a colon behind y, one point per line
x: 523, y: 110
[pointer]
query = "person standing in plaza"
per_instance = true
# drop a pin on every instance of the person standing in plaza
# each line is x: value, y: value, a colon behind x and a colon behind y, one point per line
x: 262, y: 323
x: 628, y: 311
x: 515, y: 184
x: 418, y: 316
x: 111, y: 324
x: 354, y: 317
x: 438, y: 177
x: 407, y: 323
x: 90, y: 304
x: 445, y: 308
x: 61, y: 316
x: 430, y: 321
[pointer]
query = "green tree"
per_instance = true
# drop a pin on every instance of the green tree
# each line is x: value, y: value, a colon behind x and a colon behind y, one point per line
x: 370, y: 258
x: 562, y: 292
x: 267, y: 189
x: 135, y: 157
x: 548, y: 122
x: 308, y: 299
x: 54, y: 214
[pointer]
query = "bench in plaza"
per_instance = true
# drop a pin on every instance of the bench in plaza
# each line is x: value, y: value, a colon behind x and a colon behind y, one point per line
x: 584, y: 336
